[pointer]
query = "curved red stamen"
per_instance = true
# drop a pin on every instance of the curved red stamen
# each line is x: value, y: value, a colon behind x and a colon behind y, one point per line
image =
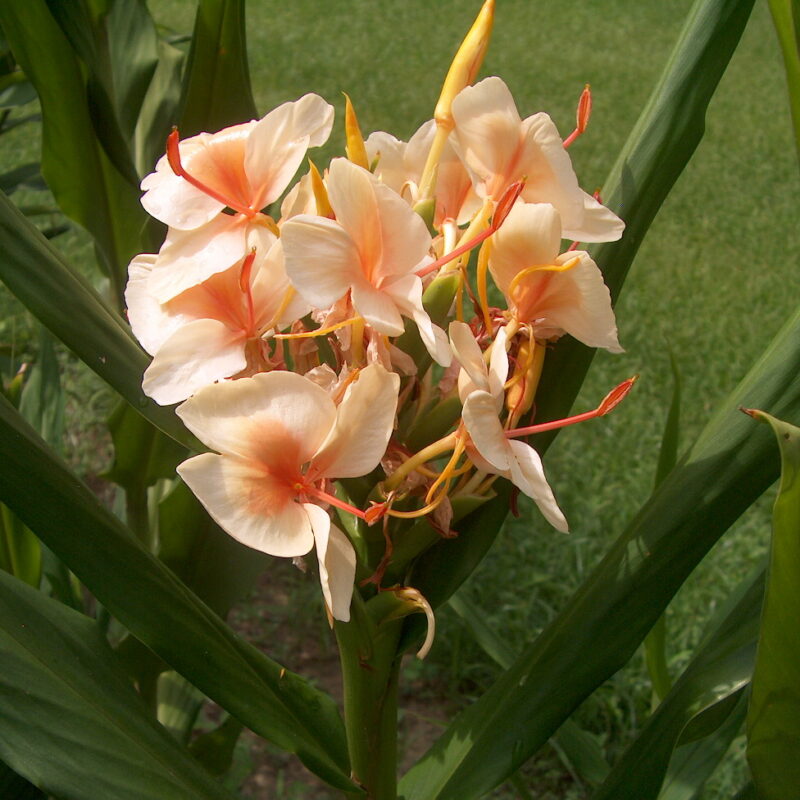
x: 608, y: 403
x: 244, y: 285
x: 174, y: 159
x: 313, y: 491
x: 504, y: 205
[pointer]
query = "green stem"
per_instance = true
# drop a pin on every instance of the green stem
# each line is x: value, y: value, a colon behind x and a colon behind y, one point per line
x: 370, y: 672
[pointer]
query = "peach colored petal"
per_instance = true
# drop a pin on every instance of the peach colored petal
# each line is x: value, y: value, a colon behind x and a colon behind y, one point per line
x: 187, y: 258
x: 530, y: 236
x: 364, y: 423
x: 321, y: 259
x: 548, y: 169
x: 249, y: 504
x: 278, y: 143
x: 406, y: 291
x: 391, y: 168
x: 487, y: 134
x: 255, y: 417
x: 337, y: 562
x: 377, y: 307
x: 173, y: 201
x: 199, y: 353
x: 150, y: 323
x: 599, y: 224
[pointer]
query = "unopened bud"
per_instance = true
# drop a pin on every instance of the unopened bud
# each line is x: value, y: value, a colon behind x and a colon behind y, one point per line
x: 354, y: 147
x: 467, y: 62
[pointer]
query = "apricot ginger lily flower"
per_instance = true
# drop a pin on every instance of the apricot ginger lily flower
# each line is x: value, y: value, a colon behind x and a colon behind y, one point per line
x: 213, y: 330
x: 549, y: 292
x: 243, y: 168
x: 498, y: 148
x: 371, y: 250
x: 279, y: 439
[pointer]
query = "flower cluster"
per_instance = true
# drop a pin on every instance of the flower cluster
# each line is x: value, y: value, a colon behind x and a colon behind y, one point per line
x: 351, y: 331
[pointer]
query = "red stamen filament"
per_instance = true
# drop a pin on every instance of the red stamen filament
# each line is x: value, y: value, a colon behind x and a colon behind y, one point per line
x: 174, y: 158
x: 313, y: 491
x: 244, y: 285
x: 504, y: 205
x: 609, y: 402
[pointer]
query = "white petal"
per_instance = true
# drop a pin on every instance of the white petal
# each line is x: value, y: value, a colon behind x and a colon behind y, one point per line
x: 187, y: 258
x: 530, y: 236
x: 321, y: 259
x: 337, y: 562
x: 172, y: 200
x: 599, y: 224
x: 406, y: 290
x: 278, y: 143
x: 150, y: 323
x: 249, y: 505
x: 591, y: 319
x: 487, y: 133
x: 390, y: 152
x: 469, y: 355
x: 550, y: 177
x: 498, y: 368
x: 364, y: 423
x: 484, y: 428
x: 198, y: 354
x: 527, y: 473
x: 255, y: 417
x: 377, y: 308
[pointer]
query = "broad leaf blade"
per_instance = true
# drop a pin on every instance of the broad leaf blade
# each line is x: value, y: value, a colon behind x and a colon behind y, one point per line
x: 71, y: 722
x: 154, y: 605
x: 786, y: 17
x: 773, y: 719
x: 729, y: 466
x: 719, y: 671
x: 86, y: 185
x: 69, y: 307
x: 216, y: 89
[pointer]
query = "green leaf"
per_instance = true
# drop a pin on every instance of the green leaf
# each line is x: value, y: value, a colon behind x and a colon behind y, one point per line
x: 655, y: 643
x: 215, y: 748
x: 142, y: 453
x: 179, y: 703
x: 211, y: 563
x: 701, y: 700
x: 86, y: 185
x: 15, y: 787
x: 786, y: 17
x: 69, y: 307
x: 216, y: 83
x: 156, y: 607
x: 71, y: 722
x: 693, y: 764
x: 578, y: 749
x: 773, y: 719
x: 728, y: 467
x: 26, y: 176
x: 42, y: 401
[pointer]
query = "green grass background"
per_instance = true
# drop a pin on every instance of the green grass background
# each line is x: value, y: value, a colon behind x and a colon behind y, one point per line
x: 713, y: 281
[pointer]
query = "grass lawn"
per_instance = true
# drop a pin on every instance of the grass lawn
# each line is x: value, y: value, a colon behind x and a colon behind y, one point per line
x: 712, y: 283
